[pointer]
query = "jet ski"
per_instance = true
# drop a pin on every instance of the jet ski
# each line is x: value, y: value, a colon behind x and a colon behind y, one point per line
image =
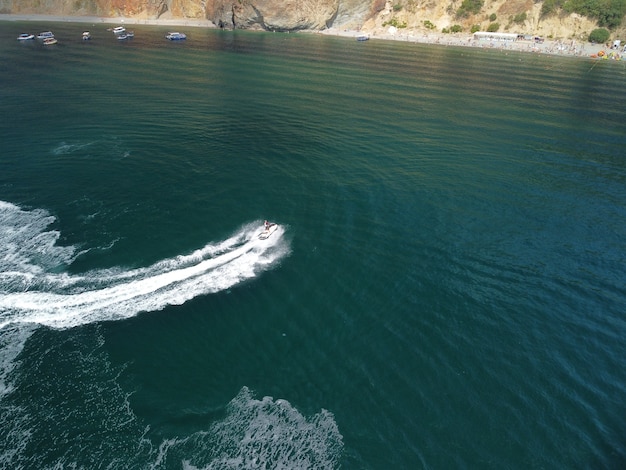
x: 268, y: 229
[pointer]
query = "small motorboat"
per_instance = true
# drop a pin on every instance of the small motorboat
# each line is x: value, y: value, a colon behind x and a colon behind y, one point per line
x: 119, y: 30
x: 268, y: 229
x: 86, y: 36
x: 176, y: 36
x: 49, y: 41
x: 45, y: 35
x: 362, y: 37
x: 25, y: 37
x: 130, y: 34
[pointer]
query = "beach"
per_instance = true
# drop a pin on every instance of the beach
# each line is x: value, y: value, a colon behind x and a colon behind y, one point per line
x: 559, y: 47
x: 569, y: 48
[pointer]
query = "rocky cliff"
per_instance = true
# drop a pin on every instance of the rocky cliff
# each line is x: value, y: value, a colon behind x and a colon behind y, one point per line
x: 412, y: 16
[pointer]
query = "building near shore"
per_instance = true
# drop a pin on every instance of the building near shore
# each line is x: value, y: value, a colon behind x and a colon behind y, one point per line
x: 489, y: 36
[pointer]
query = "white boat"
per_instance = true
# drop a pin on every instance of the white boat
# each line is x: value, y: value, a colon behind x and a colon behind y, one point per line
x: 362, y: 37
x: 122, y: 37
x: 45, y: 35
x: 130, y: 34
x: 25, y: 37
x: 268, y: 229
x: 86, y: 36
x: 49, y: 41
x: 176, y: 36
x: 119, y: 30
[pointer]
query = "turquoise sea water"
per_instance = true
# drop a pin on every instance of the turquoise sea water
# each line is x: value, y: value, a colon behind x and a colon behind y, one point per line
x: 446, y: 289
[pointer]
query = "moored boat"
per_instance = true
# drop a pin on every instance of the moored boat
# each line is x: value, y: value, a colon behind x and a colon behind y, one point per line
x: 49, y: 41
x: 362, y: 37
x: 86, y: 36
x: 119, y: 30
x: 25, y: 37
x: 176, y: 36
x: 45, y: 35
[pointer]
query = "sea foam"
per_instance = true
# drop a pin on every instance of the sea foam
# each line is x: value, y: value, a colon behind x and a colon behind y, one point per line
x: 32, y: 291
x: 265, y: 433
x: 35, y: 291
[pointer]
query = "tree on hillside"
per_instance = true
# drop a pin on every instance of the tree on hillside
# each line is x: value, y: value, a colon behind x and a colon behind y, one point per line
x: 600, y: 35
x: 469, y: 7
x: 608, y: 13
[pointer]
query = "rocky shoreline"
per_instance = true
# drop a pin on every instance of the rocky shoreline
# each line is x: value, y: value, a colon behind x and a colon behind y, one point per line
x: 566, y: 48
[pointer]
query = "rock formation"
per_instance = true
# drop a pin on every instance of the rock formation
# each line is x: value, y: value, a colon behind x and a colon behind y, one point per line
x: 412, y: 16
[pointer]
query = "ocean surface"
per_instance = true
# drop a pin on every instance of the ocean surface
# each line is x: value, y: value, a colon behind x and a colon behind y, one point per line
x: 446, y: 289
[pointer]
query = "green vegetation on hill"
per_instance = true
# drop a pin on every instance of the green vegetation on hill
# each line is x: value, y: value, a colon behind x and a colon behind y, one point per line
x: 609, y: 13
x: 599, y: 35
x: 469, y: 7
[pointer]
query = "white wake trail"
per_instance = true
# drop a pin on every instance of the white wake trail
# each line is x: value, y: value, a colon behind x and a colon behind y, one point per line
x: 31, y: 294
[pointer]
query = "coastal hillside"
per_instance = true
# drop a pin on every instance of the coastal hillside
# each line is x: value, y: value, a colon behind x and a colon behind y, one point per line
x: 546, y: 18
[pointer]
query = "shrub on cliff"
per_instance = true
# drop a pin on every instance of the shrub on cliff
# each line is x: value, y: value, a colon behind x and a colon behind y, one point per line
x: 469, y: 7
x: 600, y: 35
x: 394, y: 22
x: 550, y: 6
x: 520, y: 18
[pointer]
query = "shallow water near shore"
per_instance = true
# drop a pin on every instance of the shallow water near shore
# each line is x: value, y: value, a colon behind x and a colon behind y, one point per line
x: 446, y: 289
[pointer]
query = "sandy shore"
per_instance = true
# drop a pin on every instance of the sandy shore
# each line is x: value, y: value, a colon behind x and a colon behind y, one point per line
x: 570, y: 48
